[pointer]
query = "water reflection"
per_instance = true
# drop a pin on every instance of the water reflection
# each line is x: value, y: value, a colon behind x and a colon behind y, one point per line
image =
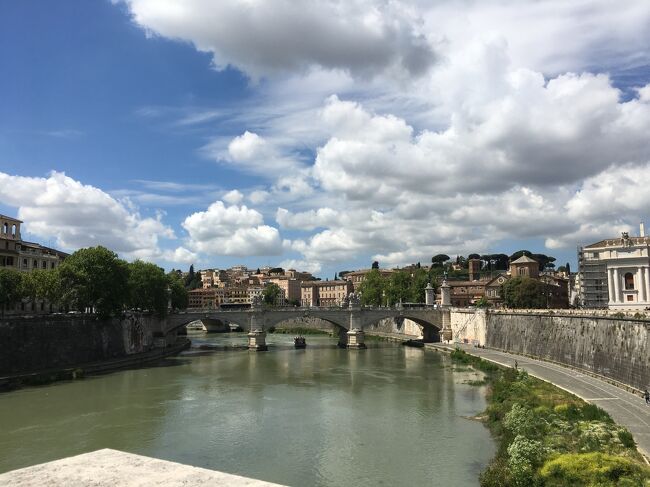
x: 322, y: 416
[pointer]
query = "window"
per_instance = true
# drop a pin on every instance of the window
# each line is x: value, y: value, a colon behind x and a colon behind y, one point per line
x: 522, y: 271
x: 629, y: 281
x: 35, y: 264
x: 630, y: 297
x: 44, y: 265
x: 24, y: 262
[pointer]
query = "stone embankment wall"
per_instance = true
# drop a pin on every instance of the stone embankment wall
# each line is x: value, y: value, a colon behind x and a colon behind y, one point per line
x: 616, y: 348
x: 469, y: 325
x: 612, y: 346
x: 53, y: 342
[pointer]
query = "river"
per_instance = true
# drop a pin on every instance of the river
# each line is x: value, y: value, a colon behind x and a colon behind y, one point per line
x: 389, y: 415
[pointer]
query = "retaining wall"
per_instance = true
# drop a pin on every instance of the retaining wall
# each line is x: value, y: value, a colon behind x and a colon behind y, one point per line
x: 616, y: 348
x: 39, y: 343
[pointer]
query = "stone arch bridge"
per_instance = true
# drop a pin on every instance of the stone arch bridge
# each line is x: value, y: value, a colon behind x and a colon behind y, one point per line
x: 350, y: 321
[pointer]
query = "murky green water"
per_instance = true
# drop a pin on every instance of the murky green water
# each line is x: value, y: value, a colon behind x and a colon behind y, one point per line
x: 389, y: 415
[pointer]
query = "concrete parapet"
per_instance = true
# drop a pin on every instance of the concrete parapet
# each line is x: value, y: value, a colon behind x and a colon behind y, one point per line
x: 107, y: 468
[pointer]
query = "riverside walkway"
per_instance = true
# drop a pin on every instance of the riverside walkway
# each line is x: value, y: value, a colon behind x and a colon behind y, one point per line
x: 625, y: 408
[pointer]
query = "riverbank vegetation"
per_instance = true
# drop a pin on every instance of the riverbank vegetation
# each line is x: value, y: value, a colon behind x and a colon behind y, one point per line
x: 549, y: 437
x: 96, y: 279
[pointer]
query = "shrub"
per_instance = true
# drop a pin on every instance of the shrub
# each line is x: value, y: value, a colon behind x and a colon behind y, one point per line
x: 626, y: 439
x: 591, y: 469
x: 568, y: 411
x: 591, y: 412
x: 519, y: 420
x: 524, y: 457
x: 497, y: 474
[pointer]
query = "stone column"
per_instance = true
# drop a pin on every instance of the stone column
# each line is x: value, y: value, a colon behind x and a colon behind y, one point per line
x: 429, y: 296
x: 640, y: 285
x: 257, y: 340
x: 257, y: 335
x: 617, y: 284
x: 446, y: 332
x: 445, y: 294
x: 610, y: 284
x: 355, y: 335
x: 646, y: 279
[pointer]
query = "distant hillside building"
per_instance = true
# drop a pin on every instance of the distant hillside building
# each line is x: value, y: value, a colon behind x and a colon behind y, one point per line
x: 615, y: 273
x: 21, y: 255
x: 524, y: 266
x: 324, y: 293
x: 357, y: 277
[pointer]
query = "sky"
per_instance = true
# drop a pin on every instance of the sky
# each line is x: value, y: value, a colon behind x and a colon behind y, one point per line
x: 323, y: 134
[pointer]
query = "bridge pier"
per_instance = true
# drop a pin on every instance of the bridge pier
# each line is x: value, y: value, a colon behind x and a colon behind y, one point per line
x: 355, y: 339
x: 257, y: 340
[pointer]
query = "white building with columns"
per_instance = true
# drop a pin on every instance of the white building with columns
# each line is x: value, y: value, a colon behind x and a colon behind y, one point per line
x: 615, y: 273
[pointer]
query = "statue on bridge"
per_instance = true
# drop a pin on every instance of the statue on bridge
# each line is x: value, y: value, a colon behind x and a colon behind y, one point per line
x: 354, y: 300
x: 256, y: 301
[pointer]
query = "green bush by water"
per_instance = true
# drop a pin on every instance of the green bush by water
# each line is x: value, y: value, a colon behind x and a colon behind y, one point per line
x: 549, y: 437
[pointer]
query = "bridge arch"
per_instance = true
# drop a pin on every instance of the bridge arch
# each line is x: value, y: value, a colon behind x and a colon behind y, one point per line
x: 395, y: 324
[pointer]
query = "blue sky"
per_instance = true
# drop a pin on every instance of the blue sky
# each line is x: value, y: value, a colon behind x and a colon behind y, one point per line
x: 324, y: 136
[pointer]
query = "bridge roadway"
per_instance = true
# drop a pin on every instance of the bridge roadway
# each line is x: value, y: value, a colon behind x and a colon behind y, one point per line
x: 346, y: 319
x: 625, y: 408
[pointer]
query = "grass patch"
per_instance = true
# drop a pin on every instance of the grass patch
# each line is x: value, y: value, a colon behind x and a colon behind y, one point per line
x: 549, y: 437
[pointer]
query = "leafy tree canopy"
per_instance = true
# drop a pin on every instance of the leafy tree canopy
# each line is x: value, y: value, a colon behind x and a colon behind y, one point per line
x: 148, y: 287
x: 439, y: 259
x: 523, y: 292
x: 271, y: 294
x: 95, y: 277
x: 11, y: 288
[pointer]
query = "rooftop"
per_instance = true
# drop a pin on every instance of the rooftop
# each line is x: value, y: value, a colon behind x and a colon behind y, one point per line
x: 524, y: 259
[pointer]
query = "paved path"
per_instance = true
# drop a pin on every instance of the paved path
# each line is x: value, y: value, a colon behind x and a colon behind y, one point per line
x: 624, y: 407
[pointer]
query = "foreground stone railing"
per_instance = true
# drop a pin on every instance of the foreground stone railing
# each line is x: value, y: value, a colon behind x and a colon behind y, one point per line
x: 111, y: 467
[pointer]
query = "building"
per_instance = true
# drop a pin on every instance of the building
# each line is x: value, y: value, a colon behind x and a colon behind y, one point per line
x: 464, y: 293
x: 202, y: 299
x: 615, y: 273
x: 357, y: 277
x: 289, y: 286
x: 24, y: 256
x: 325, y: 293
x: 9, y: 242
x: 524, y: 267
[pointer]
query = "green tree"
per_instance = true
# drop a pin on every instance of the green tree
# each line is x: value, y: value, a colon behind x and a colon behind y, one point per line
x: 372, y: 288
x: 399, y: 287
x: 375, y: 265
x: 96, y: 278
x: 11, y: 288
x: 178, y: 294
x: 193, y: 279
x: 439, y: 260
x: 271, y: 294
x: 48, y: 285
x: 523, y: 292
x: 148, y: 287
x: 419, y: 281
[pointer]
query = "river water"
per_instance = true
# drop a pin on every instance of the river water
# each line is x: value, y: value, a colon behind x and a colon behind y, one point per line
x: 389, y: 415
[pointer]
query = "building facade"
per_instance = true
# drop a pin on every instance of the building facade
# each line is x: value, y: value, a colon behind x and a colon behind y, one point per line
x: 325, y: 293
x: 24, y: 256
x: 615, y: 273
x: 357, y: 277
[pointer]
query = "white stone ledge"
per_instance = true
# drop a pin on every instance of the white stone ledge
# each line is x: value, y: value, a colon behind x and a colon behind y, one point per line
x: 108, y: 468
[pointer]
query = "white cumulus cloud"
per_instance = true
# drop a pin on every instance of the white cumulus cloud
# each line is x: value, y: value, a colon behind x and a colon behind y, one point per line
x: 231, y: 230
